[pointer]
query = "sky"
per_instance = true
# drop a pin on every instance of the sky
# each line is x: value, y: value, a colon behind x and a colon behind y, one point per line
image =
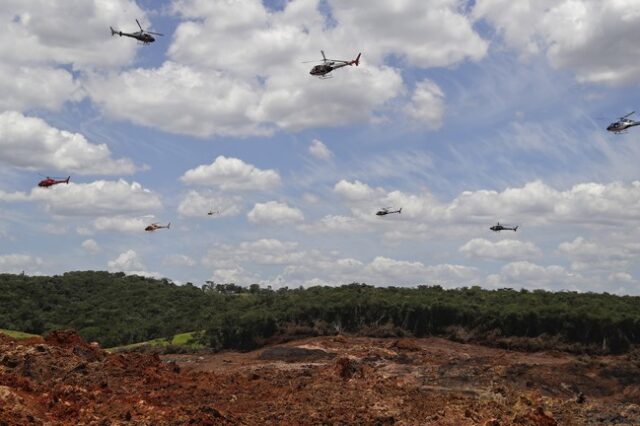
x: 463, y: 113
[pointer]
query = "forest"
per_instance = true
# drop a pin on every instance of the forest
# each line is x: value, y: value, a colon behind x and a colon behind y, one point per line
x: 117, y: 309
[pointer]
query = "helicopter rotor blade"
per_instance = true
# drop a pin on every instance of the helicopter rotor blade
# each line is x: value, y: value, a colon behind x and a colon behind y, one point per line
x: 139, y: 25
x: 151, y: 32
x: 632, y: 112
x: 324, y: 58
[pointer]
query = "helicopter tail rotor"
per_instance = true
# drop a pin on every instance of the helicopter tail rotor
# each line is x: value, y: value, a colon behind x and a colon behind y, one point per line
x: 67, y: 180
x: 356, y: 61
x: 113, y: 32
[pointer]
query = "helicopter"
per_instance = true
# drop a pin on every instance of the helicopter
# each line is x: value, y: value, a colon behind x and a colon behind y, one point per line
x: 622, y: 124
x: 144, y: 36
x: 329, y: 65
x: 498, y: 227
x: 212, y: 212
x: 387, y: 210
x: 155, y: 227
x: 45, y: 183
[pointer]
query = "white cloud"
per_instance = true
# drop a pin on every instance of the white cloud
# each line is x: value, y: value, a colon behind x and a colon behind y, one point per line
x: 27, y: 87
x: 179, y: 99
x: 232, y: 174
x: 524, y: 274
x: 266, y: 251
x: 354, y: 191
x: 57, y: 31
x: 91, y: 199
x: 501, y: 250
x: 595, y: 39
x: 18, y: 262
x: 427, y: 105
x: 423, y: 33
x: 592, y: 255
x: 180, y: 260
x: 335, y: 223
x: 91, y: 246
x: 320, y: 150
x: 130, y: 225
x: 195, y: 204
x: 30, y: 143
x: 131, y: 263
x: 126, y: 261
x: 274, y: 213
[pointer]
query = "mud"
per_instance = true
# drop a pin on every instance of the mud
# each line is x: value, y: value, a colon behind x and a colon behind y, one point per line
x: 326, y: 380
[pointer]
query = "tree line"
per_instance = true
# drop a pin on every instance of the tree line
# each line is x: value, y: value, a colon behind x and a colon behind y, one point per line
x: 117, y: 309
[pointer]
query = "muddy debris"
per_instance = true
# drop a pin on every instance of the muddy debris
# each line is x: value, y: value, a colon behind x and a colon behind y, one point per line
x: 330, y: 380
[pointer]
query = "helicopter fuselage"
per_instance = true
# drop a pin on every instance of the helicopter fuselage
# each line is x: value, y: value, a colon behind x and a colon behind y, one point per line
x: 498, y: 228
x: 622, y: 125
x: 324, y: 69
x: 143, y: 37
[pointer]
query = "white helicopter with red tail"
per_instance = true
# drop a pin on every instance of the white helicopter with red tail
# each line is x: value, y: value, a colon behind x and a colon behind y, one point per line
x: 329, y: 65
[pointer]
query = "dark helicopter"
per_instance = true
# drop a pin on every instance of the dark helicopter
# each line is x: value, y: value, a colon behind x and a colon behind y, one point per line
x: 498, y: 227
x: 387, y: 210
x: 144, y: 36
x: 622, y: 124
x: 329, y: 65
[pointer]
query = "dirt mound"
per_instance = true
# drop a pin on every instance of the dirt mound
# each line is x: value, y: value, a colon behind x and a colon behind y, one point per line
x: 294, y: 354
x: 325, y: 380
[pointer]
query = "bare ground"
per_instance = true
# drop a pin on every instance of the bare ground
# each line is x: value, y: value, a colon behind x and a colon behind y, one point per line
x: 327, y: 380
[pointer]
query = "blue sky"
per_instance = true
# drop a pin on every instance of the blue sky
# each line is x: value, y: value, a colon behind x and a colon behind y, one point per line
x: 463, y: 113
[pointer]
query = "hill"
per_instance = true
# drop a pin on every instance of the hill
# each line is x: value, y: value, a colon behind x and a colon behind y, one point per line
x: 116, y: 309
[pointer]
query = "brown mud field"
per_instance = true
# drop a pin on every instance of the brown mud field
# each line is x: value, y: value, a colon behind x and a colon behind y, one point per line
x: 336, y: 380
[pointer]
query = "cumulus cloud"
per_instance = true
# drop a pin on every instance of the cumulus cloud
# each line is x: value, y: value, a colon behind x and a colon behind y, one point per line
x: 501, y: 250
x: 130, y: 263
x: 524, y: 274
x: 335, y: 223
x: 126, y: 261
x: 232, y: 174
x: 195, y: 204
x: 26, y: 87
x: 427, y: 105
x: 274, y: 213
x: 266, y: 251
x: 36, y: 46
x: 30, y: 143
x: 592, y: 255
x: 91, y: 246
x: 97, y: 198
x: 595, y: 39
x: 180, y: 99
x: 180, y: 260
x: 130, y: 225
x: 303, y: 266
x: 354, y: 191
x: 423, y: 33
x: 257, y: 83
x: 320, y: 150
x: 19, y: 262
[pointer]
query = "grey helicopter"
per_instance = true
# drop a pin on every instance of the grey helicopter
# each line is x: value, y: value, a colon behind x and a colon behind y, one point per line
x: 322, y: 71
x: 387, y: 210
x: 143, y: 36
x: 498, y: 227
x: 623, y: 124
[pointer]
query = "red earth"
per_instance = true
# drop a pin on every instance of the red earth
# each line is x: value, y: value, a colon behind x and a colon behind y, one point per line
x: 337, y: 380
